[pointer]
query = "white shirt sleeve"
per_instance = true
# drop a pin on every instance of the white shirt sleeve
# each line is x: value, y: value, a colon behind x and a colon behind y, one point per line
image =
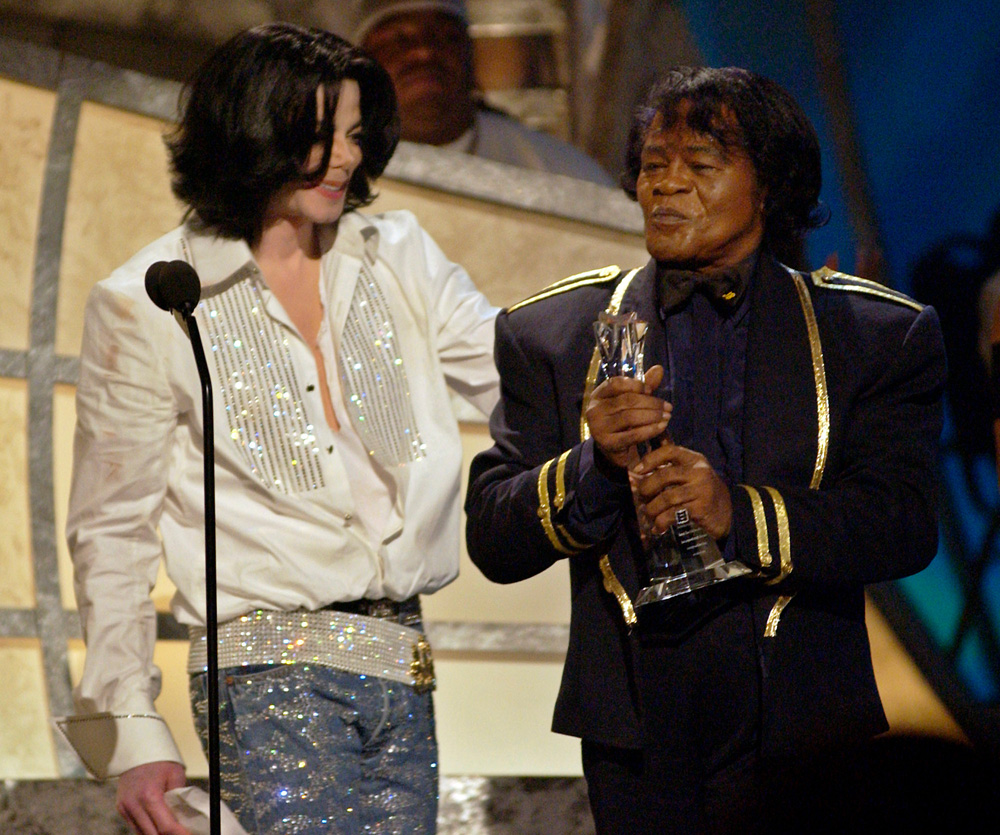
x: 125, y: 419
x: 465, y: 328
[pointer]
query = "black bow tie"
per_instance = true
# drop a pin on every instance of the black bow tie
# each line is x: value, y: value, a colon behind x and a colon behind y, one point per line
x: 724, y: 288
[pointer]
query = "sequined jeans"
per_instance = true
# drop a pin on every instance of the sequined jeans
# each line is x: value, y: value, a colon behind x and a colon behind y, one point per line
x: 310, y: 749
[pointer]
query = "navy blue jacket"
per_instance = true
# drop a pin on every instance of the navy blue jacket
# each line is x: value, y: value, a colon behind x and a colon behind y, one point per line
x: 841, y: 423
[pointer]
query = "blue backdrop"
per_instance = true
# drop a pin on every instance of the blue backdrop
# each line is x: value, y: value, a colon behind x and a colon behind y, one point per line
x: 922, y: 79
x: 922, y: 84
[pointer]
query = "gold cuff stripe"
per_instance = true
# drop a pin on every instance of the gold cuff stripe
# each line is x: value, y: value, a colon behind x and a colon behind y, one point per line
x: 613, y: 586
x: 545, y: 511
x: 560, y: 498
x: 833, y: 280
x: 579, y: 280
x: 760, y: 523
x: 819, y: 374
x: 595, y: 360
x: 578, y: 546
x: 771, y: 627
x: 784, y: 535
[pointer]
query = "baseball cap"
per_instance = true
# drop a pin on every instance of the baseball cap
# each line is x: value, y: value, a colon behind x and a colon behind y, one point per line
x: 368, y: 13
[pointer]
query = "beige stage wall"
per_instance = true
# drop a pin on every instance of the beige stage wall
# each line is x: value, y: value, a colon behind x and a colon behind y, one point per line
x: 83, y: 185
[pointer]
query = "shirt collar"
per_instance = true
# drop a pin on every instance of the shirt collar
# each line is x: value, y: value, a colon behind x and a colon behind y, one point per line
x: 357, y: 237
x: 217, y: 259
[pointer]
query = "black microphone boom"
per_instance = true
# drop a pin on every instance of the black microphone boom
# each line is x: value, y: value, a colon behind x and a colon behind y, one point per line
x: 173, y: 285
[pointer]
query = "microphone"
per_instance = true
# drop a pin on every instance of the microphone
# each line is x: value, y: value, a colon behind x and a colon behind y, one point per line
x: 173, y: 285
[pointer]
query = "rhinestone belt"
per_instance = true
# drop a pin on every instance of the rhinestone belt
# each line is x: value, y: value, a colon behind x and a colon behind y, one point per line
x: 341, y: 640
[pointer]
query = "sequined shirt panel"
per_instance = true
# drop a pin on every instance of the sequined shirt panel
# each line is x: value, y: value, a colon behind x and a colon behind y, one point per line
x: 287, y: 532
x: 255, y: 375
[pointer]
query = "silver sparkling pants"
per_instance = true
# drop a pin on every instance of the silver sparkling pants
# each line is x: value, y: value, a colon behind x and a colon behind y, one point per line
x: 310, y: 749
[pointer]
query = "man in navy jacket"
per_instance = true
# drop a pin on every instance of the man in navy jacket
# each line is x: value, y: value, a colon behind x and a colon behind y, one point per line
x: 804, y: 414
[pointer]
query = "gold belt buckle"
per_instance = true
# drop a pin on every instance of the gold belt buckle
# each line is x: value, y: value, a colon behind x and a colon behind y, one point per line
x: 422, y: 666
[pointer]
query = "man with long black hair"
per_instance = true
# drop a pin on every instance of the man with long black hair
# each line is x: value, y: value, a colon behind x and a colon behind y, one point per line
x: 331, y: 336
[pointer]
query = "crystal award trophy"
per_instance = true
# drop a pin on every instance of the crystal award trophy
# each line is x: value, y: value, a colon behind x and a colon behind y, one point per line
x: 684, y: 558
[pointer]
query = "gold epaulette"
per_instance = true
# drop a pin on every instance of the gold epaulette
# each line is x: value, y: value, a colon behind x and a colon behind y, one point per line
x: 579, y: 280
x: 832, y: 280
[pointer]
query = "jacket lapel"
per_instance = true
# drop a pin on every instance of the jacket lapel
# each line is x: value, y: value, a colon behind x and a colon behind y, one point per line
x: 781, y: 433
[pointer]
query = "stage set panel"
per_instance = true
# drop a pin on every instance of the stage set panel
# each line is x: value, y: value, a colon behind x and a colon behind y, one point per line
x: 510, y: 256
x: 17, y: 588
x: 26, y: 114
x: 99, y: 192
x: 119, y: 200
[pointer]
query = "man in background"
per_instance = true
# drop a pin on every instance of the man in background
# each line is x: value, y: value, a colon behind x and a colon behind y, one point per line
x: 426, y: 48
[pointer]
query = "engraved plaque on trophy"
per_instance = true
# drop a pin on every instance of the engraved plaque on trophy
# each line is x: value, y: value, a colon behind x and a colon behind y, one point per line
x: 684, y: 558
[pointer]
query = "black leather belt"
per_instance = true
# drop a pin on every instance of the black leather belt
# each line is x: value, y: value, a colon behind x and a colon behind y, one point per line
x: 405, y: 612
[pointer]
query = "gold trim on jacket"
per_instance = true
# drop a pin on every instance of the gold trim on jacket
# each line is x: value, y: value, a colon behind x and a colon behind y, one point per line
x: 780, y: 514
x: 600, y: 276
x: 557, y: 535
x: 833, y: 280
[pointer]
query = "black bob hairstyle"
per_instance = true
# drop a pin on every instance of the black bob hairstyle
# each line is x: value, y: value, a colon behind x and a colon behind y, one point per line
x: 249, y: 121
x: 770, y: 128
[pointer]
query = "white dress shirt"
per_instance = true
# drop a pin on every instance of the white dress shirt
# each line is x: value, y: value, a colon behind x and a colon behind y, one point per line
x: 305, y: 516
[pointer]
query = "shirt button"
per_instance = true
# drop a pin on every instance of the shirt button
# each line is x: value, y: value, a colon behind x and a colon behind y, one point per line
x: 348, y: 517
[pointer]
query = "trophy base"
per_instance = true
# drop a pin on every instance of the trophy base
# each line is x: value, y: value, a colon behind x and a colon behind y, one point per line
x: 665, y: 588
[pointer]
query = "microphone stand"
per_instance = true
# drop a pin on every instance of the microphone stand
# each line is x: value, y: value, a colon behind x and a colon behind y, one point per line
x: 175, y: 287
x: 211, y: 607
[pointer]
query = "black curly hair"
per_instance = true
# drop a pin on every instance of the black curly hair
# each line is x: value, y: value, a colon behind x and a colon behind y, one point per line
x: 769, y: 126
x: 249, y: 121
